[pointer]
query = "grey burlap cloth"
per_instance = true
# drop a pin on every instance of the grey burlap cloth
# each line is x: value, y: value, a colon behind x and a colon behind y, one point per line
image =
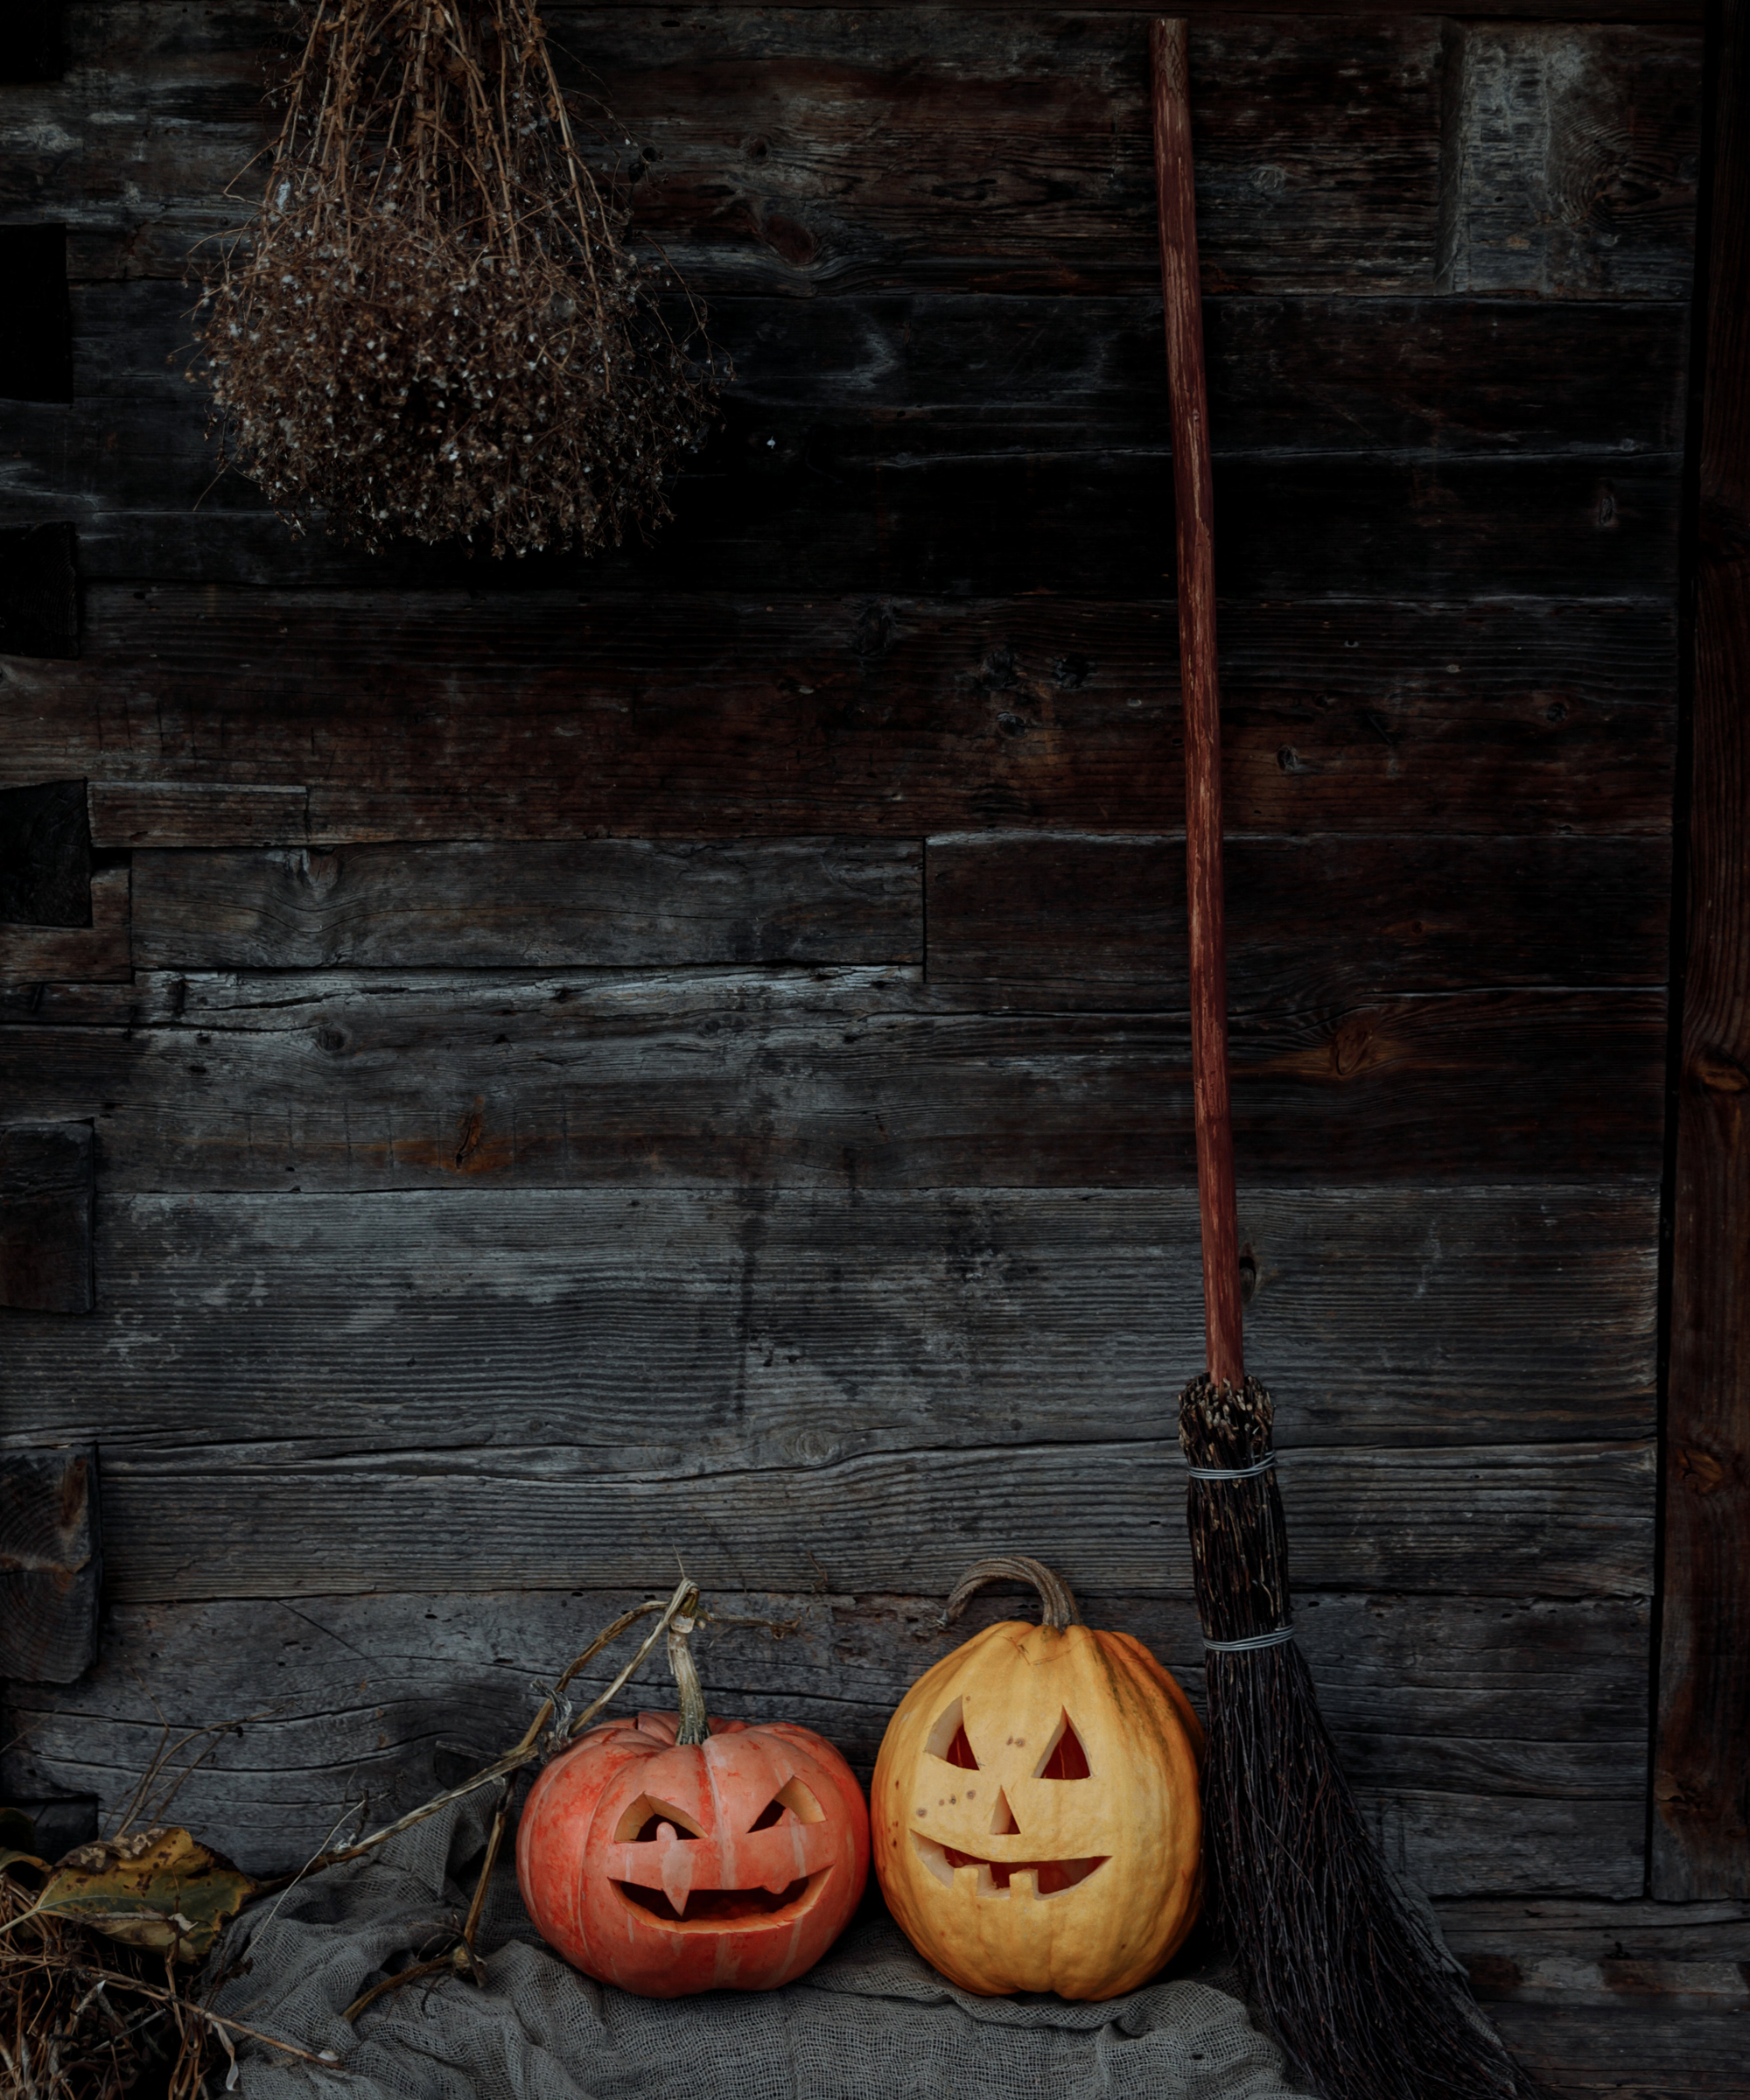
x: 872, y: 2020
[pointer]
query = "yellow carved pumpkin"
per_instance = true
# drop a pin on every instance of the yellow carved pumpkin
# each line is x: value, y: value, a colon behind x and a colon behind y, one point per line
x: 1035, y: 1811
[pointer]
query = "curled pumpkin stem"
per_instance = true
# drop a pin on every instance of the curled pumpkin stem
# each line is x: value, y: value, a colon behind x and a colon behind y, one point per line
x: 694, y: 1722
x: 1054, y: 1593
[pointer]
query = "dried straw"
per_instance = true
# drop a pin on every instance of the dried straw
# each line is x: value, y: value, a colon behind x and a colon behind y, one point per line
x: 1356, y: 1984
x: 434, y: 328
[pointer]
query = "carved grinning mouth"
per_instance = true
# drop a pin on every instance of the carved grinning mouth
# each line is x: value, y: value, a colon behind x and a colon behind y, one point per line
x: 712, y: 1909
x: 998, y: 1877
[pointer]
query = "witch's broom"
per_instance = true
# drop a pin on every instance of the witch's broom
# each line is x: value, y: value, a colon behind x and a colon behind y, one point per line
x: 1352, y: 1979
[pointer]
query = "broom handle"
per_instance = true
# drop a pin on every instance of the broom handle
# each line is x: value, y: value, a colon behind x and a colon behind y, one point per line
x: 1193, y: 501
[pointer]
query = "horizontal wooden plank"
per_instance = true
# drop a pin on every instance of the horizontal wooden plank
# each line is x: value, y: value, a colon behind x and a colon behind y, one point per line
x: 834, y: 503
x: 381, y: 1694
x: 688, y: 1329
x: 256, y: 1518
x: 1015, y: 918
x: 1640, y: 2049
x: 832, y: 1078
x: 99, y: 953
x: 1033, y: 920
x: 1556, y: 1951
x: 816, y: 149
x: 537, y: 716
x: 1438, y: 377
x: 127, y: 813
x: 603, y: 902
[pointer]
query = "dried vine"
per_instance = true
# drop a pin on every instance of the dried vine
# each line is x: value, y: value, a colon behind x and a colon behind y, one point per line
x: 435, y: 328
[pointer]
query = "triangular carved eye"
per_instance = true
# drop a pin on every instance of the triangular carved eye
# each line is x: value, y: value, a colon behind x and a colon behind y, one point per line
x: 948, y: 1739
x: 794, y: 1797
x: 1066, y: 1758
x: 642, y: 1822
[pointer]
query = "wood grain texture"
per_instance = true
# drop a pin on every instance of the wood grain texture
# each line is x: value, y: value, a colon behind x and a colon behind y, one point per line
x: 212, y: 717
x: 1571, y: 1951
x: 1701, y: 1830
x: 100, y: 952
x: 1448, y: 375
x: 834, y: 503
x: 840, y: 1079
x: 1022, y: 919
x: 823, y: 148
x: 1574, y: 162
x: 1199, y: 677
x: 46, y: 1181
x: 256, y: 1518
x: 1645, y: 2050
x: 44, y: 855
x: 381, y: 1694
x: 742, y: 1330
x: 51, y: 1564
x: 611, y: 902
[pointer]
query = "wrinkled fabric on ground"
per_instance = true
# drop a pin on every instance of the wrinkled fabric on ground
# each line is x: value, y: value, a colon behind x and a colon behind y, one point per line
x: 873, y: 2019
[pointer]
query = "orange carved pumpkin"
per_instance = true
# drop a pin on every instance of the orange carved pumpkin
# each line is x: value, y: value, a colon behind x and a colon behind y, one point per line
x: 672, y: 1854
x: 1035, y: 1810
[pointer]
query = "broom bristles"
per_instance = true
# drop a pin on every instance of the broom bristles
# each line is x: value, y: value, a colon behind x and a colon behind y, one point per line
x: 1352, y: 1979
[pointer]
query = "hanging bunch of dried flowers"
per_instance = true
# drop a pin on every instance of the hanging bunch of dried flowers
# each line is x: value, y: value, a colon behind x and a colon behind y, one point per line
x: 435, y: 327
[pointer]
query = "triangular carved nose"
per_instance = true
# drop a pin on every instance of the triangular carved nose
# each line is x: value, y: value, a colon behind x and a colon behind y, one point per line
x: 1002, y: 1823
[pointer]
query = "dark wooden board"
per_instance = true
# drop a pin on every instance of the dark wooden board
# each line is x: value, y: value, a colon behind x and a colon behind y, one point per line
x: 32, y: 45
x: 45, y: 1220
x: 1446, y: 376
x: 1568, y: 1951
x: 748, y: 1329
x: 98, y: 952
x: 834, y: 503
x: 207, y: 717
x: 1507, y: 1709
x: 1016, y: 919
x: 817, y: 149
x: 44, y: 855
x: 1701, y: 1830
x: 1028, y: 921
x: 601, y: 902
x: 1604, y: 203
x: 838, y: 1078
x: 39, y: 588
x: 1641, y: 2049
x: 36, y: 325
x: 255, y: 1519
x: 51, y: 1554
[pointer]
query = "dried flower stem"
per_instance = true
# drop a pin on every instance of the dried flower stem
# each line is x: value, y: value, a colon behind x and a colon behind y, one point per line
x: 434, y: 328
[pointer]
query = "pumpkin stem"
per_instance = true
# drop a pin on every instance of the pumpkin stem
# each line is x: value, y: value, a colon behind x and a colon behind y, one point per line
x: 694, y: 1725
x: 1059, y: 1600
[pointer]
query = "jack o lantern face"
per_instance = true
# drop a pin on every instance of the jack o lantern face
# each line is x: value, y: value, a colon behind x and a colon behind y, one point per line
x: 667, y: 1868
x: 688, y: 1877
x: 1035, y: 1812
x: 1009, y: 1849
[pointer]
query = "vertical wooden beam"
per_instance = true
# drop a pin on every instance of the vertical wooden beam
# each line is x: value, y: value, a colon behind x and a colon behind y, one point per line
x: 1701, y: 1822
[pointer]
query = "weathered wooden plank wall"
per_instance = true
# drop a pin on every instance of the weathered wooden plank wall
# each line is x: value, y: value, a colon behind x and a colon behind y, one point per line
x: 686, y: 1055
